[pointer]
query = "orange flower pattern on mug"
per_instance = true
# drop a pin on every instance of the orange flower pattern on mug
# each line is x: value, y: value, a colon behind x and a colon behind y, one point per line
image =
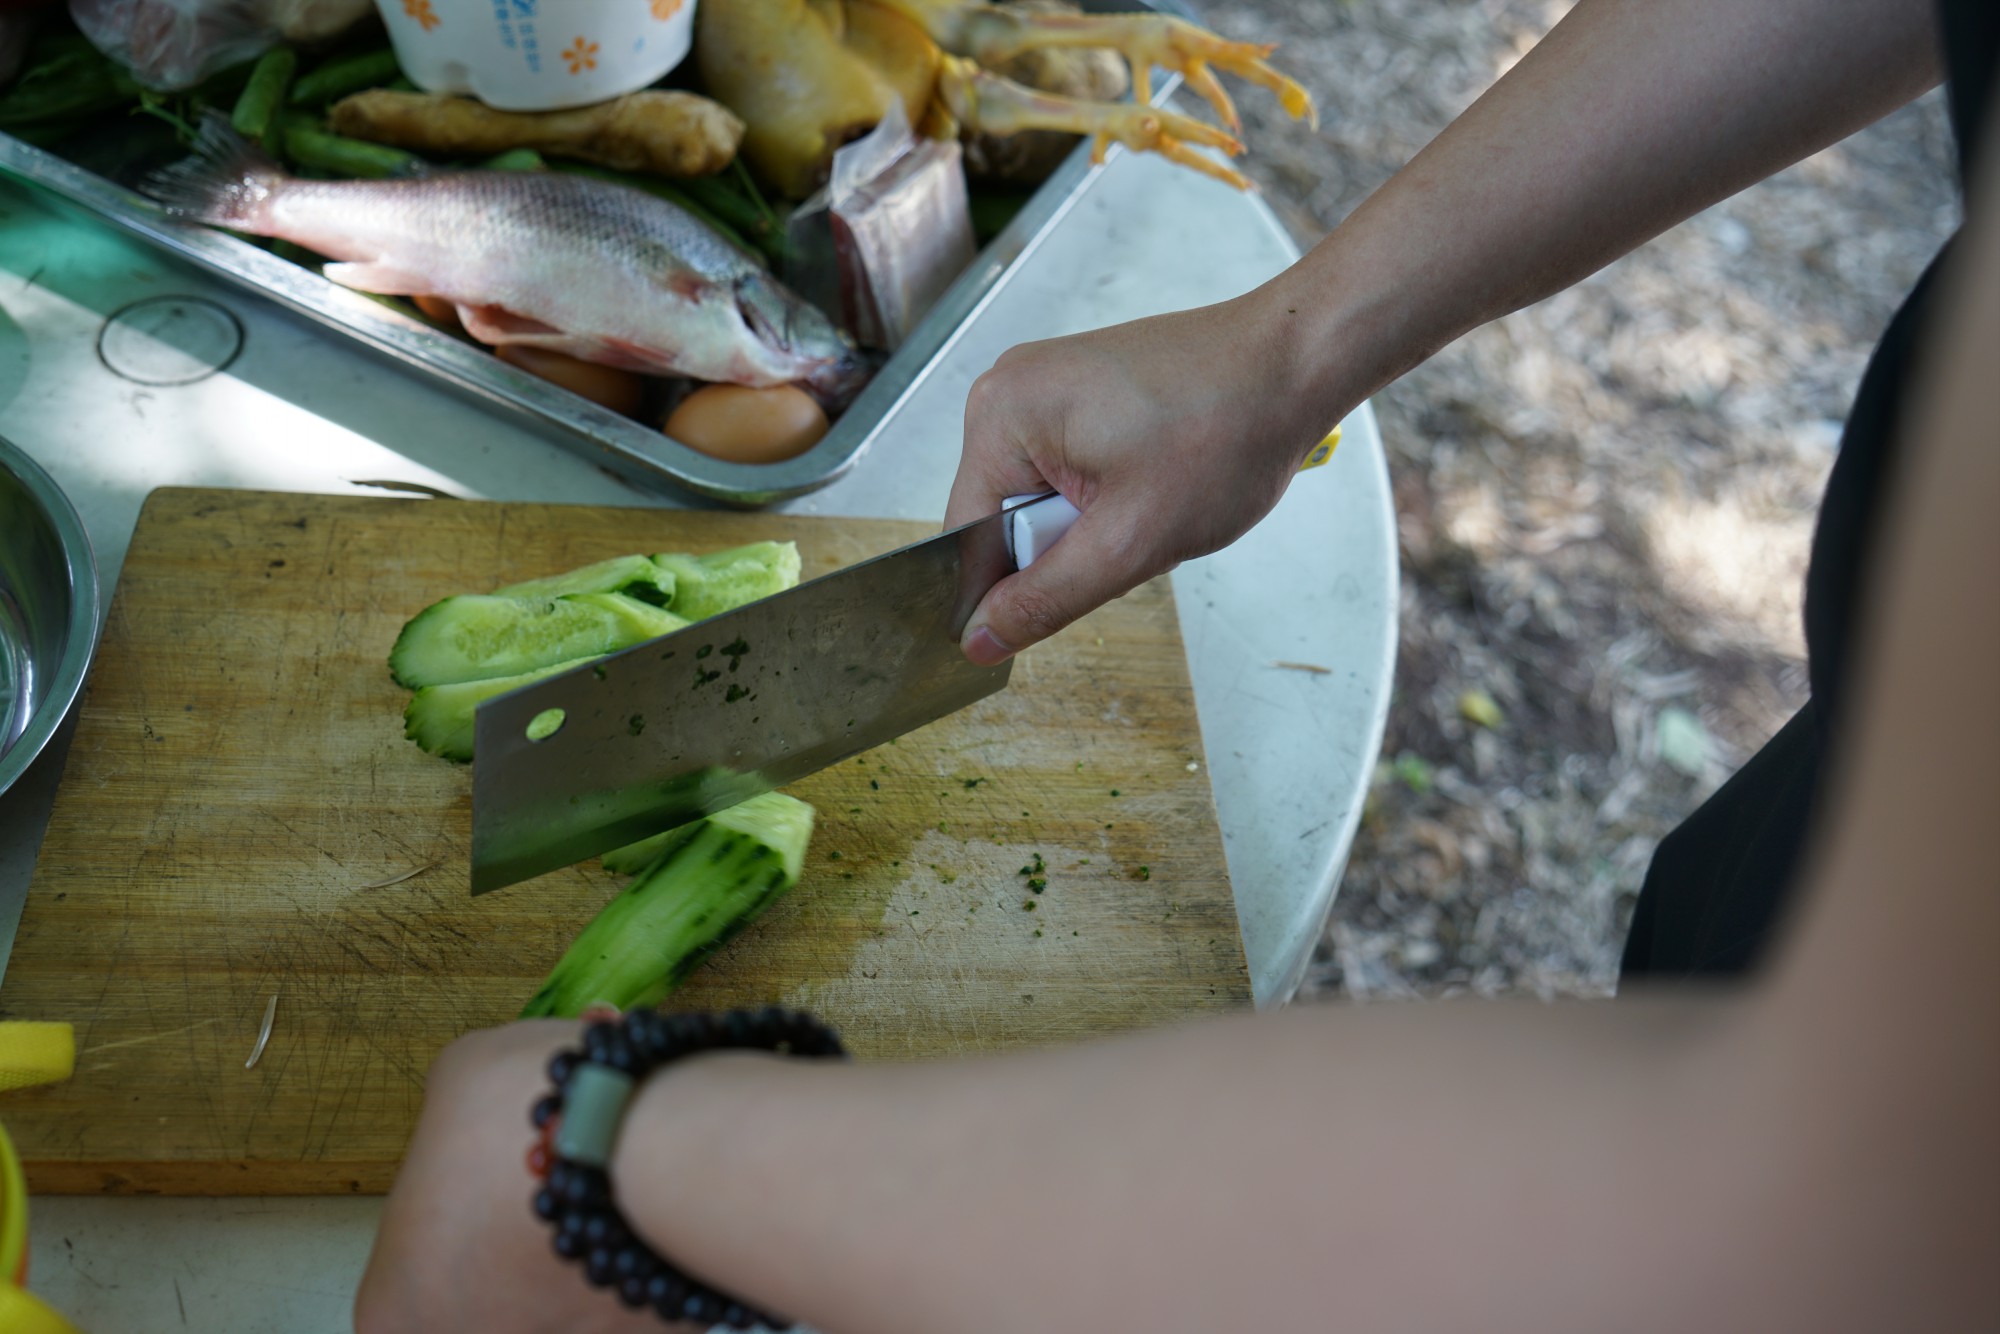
x: 421, y: 11
x: 581, y: 56
x: 666, y: 9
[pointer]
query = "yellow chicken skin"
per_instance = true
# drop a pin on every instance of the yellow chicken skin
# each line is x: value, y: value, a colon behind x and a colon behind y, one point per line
x: 807, y: 76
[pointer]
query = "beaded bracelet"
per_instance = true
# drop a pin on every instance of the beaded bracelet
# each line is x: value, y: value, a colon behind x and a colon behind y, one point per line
x: 578, y: 1122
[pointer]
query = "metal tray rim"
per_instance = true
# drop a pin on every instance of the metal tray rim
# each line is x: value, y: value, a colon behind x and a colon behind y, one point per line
x: 624, y: 446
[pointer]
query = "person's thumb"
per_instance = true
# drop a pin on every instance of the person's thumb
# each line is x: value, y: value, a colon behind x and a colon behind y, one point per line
x: 1095, y: 561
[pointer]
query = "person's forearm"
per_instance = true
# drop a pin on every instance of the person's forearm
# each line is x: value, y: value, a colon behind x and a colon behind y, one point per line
x: 1629, y: 117
x: 1243, y: 1172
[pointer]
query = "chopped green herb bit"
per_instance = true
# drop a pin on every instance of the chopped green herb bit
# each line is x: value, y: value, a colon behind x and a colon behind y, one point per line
x: 1038, y: 885
x: 1038, y: 931
x: 833, y: 856
x: 1114, y: 791
x: 1145, y: 873
x: 1028, y: 906
x: 971, y: 783
x: 874, y: 785
x: 704, y: 650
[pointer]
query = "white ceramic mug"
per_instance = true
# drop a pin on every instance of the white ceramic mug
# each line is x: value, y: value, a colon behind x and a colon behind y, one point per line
x: 538, y: 55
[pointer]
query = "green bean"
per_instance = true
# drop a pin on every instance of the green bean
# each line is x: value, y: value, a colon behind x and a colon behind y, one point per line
x: 67, y: 78
x: 265, y: 92
x: 516, y: 159
x: 746, y: 217
x: 347, y: 157
x: 349, y: 74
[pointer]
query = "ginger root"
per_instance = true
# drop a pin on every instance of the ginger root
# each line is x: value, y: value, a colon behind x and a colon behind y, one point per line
x: 667, y: 133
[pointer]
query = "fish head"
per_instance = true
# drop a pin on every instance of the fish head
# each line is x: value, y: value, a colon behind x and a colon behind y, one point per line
x: 834, y: 368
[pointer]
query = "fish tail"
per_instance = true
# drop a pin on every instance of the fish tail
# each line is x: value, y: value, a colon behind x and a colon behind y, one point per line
x: 228, y: 181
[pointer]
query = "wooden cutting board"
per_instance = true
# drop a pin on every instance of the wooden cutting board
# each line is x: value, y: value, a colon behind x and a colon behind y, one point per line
x: 239, y: 791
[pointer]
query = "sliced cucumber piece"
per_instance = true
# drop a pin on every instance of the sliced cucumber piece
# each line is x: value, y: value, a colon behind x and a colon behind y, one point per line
x: 477, y: 637
x: 634, y: 576
x: 682, y: 909
x: 721, y: 580
x: 636, y: 857
x: 440, y: 718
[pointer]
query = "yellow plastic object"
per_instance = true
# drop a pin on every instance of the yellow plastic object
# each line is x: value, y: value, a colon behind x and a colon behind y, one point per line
x: 33, y: 1054
x: 22, y: 1313
x: 1322, y: 451
x: 13, y: 1220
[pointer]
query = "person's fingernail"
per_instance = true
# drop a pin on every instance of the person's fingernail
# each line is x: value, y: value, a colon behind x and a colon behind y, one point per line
x: 985, y: 648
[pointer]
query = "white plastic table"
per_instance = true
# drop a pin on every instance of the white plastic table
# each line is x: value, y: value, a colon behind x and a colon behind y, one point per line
x: 1290, y: 752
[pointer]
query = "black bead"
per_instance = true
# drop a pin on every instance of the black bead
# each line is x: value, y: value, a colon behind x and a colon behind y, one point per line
x: 603, y: 1229
x: 547, y: 1206
x: 572, y: 1223
x: 632, y: 1291
x: 737, y: 1316
x: 597, y: 1039
x: 701, y: 1306
x: 568, y: 1245
x: 561, y: 1066
x: 666, y: 1291
x: 544, y: 1109
x: 618, y: 1053
x: 584, y: 1186
x: 597, y: 1267
x: 631, y: 1260
x: 737, y: 1027
x: 644, y: 1029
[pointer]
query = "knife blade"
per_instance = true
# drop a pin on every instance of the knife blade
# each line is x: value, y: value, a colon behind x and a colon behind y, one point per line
x: 685, y: 725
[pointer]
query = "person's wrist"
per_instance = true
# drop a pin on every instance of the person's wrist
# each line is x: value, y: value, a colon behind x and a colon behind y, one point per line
x: 1332, y: 331
x: 607, y: 1093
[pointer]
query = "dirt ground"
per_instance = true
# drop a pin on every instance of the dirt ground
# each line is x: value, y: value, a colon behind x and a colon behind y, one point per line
x: 1605, y: 503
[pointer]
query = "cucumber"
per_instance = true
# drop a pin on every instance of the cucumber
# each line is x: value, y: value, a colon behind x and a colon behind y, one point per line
x: 682, y: 909
x: 721, y: 580
x: 634, y: 576
x: 636, y: 857
x: 440, y: 718
x: 475, y: 637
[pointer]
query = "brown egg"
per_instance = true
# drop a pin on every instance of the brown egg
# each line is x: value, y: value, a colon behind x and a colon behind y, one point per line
x: 744, y: 425
x: 438, y: 309
x: 621, y: 391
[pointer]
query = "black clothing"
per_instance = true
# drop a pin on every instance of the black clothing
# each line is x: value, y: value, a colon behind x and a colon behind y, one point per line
x: 1719, y: 882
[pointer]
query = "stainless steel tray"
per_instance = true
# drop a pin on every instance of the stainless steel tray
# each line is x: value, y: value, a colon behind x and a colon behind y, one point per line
x: 616, y: 442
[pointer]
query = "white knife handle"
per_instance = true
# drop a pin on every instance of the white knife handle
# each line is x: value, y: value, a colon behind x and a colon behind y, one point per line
x: 1034, y: 528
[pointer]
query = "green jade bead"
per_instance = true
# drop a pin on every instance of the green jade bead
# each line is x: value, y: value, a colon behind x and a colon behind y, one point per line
x: 593, y: 1105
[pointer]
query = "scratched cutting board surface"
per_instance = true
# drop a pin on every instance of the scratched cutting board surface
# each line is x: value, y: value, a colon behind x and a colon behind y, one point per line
x: 239, y: 790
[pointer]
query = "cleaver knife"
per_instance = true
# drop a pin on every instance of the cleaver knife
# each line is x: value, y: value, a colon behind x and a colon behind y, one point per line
x: 685, y: 725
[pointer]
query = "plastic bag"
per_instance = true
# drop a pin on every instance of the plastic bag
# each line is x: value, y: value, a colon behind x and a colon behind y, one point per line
x: 174, y: 44
x: 880, y: 244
